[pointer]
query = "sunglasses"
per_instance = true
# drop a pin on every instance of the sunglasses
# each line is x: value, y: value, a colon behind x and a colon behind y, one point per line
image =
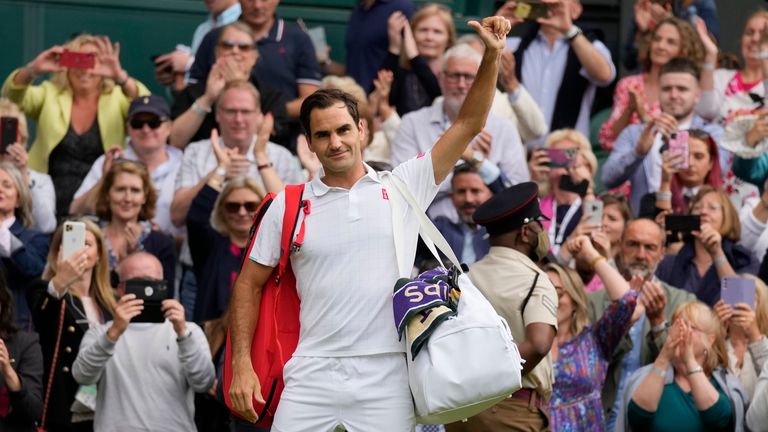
x: 230, y: 45
x: 234, y: 207
x: 153, y: 123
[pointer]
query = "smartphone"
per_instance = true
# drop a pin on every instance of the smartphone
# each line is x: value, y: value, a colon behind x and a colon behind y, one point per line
x: 153, y: 292
x: 531, y: 10
x: 682, y: 223
x: 735, y: 289
x: 567, y: 184
x: 73, y: 238
x: 560, y: 158
x: 77, y: 60
x: 10, y: 132
x: 678, y: 145
x: 596, y: 209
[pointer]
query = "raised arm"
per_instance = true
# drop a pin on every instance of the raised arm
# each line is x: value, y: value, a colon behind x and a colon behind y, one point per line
x: 474, y: 111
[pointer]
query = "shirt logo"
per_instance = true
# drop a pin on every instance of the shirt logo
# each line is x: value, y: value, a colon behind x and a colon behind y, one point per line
x: 384, y: 194
x: 420, y: 155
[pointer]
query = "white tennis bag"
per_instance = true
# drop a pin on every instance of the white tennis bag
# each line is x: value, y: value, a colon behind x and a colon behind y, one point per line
x: 470, y: 362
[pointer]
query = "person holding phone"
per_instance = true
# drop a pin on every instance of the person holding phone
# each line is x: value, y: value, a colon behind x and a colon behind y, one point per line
x: 687, y: 387
x: 711, y: 252
x: 81, y: 281
x: 746, y: 327
x: 21, y: 370
x: 582, y: 349
x: 40, y: 184
x: 636, y: 98
x: 637, y: 154
x: 556, y: 43
x: 22, y: 249
x: 146, y: 373
x: 684, y: 173
x: 96, y: 99
x: 125, y: 204
x: 564, y: 206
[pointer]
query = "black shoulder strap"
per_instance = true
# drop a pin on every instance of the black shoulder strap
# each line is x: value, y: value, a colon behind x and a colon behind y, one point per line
x: 530, y: 293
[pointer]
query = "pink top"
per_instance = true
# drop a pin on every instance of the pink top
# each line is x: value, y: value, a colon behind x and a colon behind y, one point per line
x: 620, y: 103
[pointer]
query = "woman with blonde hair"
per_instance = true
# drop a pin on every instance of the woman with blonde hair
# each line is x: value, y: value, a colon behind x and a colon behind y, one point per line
x: 22, y: 249
x: 80, y: 111
x: 73, y: 294
x: 125, y: 205
x: 564, y: 207
x: 712, y: 252
x: 746, y: 328
x: 582, y: 350
x: 688, y: 386
x: 415, y: 55
x: 218, y: 225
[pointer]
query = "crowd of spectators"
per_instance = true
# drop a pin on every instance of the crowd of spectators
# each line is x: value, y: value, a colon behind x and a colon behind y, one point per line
x: 643, y: 337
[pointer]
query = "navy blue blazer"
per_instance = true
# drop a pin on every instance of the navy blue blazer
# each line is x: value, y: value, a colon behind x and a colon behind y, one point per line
x: 26, y: 262
x: 454, y: 234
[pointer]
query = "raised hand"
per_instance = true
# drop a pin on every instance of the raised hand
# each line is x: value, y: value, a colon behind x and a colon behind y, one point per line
x: 307, y: 157
x: 507, y: 75
x: 711, y: 239
x: 744, y: 317
x: 108, y: 60
x: 128, y: 307
x: 216, y: 81
x: 538, y: 165
x: 710, y: 47
x: 655, y: 300
x: 643, y: 15
x: 559, y: 16
x: 493, y: 31
x: 9, y: 375
x: 395, y: 24
x: 71, y: 270
x: 724, y: 312
x: 47, y: 61
x: 173, y: 311
x: 132, y: 234
x: 222, y: 156
x: 265, y: 131
x: 483, y: 142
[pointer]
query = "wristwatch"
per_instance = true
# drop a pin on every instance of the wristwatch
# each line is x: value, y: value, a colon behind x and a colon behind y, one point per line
x: 661, y: 327
x: 571, y: 34
x: 477, y: 158
x: 221, y: 171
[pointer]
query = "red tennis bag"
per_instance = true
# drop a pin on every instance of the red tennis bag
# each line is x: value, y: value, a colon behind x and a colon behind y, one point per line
x: 277, y: 329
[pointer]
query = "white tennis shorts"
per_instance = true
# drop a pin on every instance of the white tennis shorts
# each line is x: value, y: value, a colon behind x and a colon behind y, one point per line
x: 359, y: 394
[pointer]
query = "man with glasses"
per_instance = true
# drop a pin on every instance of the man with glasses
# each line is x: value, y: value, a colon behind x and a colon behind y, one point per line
x: 642, y: 248
x: 238, y: 113
x: 289, y: 63
x: 496, y: 151
x: 636, y: 154
x: 236, y: 55
x: 149, y: 124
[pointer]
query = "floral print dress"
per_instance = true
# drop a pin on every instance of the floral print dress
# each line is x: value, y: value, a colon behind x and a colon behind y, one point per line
x: 582, y: 366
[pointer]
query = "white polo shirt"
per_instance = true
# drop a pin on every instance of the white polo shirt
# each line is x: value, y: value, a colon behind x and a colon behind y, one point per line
x: 347, y: 266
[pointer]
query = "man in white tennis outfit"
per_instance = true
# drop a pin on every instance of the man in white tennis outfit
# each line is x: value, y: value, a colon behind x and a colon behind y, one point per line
x: 349, y: 369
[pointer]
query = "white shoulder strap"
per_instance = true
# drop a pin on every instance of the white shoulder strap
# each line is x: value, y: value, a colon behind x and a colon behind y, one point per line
x: 428, y: 231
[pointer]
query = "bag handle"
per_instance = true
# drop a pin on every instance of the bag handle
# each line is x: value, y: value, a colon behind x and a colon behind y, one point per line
x: 427, y: 230
x: 49, y: 386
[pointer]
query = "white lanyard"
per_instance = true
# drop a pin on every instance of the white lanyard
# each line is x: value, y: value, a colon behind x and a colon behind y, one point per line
x: 556, y: 241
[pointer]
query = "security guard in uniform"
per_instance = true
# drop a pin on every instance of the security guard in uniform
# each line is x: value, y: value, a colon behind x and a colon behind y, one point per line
x: 521, y: 293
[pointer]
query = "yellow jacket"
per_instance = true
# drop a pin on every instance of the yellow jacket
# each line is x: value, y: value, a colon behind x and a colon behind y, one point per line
x: 51, y: 108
